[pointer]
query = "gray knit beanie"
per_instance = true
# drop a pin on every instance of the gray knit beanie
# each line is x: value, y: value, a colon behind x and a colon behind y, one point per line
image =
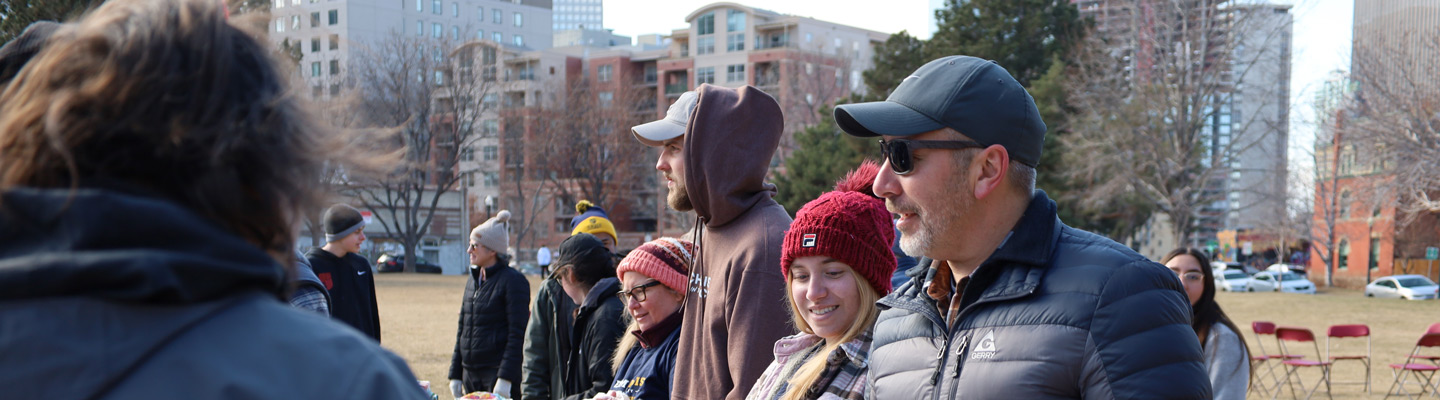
x: 341, y: 220
x: 494, y: 234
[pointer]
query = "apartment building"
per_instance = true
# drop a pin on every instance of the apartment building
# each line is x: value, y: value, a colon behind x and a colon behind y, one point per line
x: 578, y: 15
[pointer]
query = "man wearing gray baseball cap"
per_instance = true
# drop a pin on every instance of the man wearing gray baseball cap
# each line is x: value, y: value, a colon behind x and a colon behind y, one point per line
x: 1008, y: 301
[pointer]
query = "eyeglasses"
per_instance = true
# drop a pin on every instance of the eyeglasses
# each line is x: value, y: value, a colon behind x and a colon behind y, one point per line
x: 1192, y: 277
x: 636, y: 293
x: 898, y: 151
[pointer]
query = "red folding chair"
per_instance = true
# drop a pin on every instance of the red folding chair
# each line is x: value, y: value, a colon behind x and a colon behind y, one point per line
x: 1423, y: 373
x: 1433, y: 359
x: 1349, y: 331
x: 1293, y: 366
x: 1267, y: 379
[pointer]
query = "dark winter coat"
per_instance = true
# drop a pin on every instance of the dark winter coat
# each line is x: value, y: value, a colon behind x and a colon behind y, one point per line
x: 492, y: 322
x: 1055, y: 312
x: 645, y: 372
x: 599, y: 323
x: 547, y: 341
x: 106, y: 295
x: 351, y: 284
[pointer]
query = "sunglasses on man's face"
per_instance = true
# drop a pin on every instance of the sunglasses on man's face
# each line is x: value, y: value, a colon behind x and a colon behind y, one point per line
x: 898, y: 151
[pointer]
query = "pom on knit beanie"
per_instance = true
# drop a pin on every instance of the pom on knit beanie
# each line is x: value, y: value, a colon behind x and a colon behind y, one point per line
x: 665, y: 259
x: 849, y: 224
x: 592, y: 220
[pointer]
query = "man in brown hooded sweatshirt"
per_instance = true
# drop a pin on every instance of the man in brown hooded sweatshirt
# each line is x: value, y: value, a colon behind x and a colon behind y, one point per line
x: 716, y: 145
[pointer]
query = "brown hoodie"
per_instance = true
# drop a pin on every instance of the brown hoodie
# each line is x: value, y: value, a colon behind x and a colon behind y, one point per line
x: 735, y: 309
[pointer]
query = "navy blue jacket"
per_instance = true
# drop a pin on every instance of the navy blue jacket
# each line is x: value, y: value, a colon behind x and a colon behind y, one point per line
x: 1055, y: 312
x: 115, y: 296
x: 646, y: 371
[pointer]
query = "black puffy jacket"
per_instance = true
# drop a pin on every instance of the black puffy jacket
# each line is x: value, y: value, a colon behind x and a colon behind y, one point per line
x: 492, y: 322
x: 599, y: 323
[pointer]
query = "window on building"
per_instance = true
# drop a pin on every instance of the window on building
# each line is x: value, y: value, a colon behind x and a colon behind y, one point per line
x: 704, y: 75
x: 489, y: 127
x: 496, y: 16
x: 334, y: 89
x: 705, y: 25
x: 279, y: 3
x: 279, y: 24
x: 439, y: 77
x: 735, y: 42
x: 1344, y: 204
x: 519, y: 41
x: 855, y: 80
x: 480, y: 34
x: 809, y: 69
x: 334, y: 67
x: 839, y: 78
x: 314, y: 19
x: 467, y: 154
x: 455, y: 9
x: 606, y: 98
x: 455, y: 32
x: 437, y: 30
x: 419, y: 5
x: 492, y: 179
x: 315, y: 68
x: 315, y: 91
x: 735, y: 21
x: 435, y: 6
x: 498, y: 37
x: 295, y: 22
x: 1374, y: 253
x: 519, y: 19
x: 605, y: 72
x: 315, y: 45
x: 480, y: 13
x: 334, y: 41
x: 684, y: 49
x: 419, y: 28
x: 1343, y: 260
x: 334, y: 17
x: 705, y: 45
x: 735, y: 73
x: 809, y: 37
x: 490, y: 153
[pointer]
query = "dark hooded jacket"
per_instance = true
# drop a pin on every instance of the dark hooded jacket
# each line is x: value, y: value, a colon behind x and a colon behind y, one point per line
x: 492, y: 322
x: 599, y: 323
x: 106, y: 295
x: 547, y: 341
x: 351, y: 284
x: 736, y: 290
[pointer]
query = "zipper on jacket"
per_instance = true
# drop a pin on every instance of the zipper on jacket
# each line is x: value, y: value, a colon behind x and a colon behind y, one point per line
x: 939, y: 364
x: 960, y: 355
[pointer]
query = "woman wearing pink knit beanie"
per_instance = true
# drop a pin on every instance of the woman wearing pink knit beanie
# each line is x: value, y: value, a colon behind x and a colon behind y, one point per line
x: 654, y: 277
x: 837, y: 262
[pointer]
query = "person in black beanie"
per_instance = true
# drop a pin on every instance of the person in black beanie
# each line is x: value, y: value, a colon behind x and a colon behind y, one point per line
x: 586, y: 270
x: 345, y: 273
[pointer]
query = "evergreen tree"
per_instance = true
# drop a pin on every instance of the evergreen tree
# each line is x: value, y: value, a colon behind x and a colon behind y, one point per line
x: 15, y: 15
x: 894, y: 60
x: 1024, y: 36
x: 823, y: 155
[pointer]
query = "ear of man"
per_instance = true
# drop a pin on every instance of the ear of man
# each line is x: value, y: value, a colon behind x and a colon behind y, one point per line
x: 990, y: 169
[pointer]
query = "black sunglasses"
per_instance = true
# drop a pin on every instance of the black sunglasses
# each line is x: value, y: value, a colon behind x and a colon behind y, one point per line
x: 898, y: 151
x: 636, y: 293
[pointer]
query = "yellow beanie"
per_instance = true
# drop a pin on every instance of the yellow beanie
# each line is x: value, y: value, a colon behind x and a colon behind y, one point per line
x: 596, y: 225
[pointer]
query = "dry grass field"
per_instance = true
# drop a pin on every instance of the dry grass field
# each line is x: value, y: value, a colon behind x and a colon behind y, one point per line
x: 418, y: 314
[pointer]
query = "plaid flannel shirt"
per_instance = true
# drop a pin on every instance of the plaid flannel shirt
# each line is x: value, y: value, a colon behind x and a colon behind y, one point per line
x: 842, y: 379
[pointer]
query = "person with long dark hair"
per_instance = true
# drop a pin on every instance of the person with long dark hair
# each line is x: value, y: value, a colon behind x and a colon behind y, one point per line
x: 1226, y: 353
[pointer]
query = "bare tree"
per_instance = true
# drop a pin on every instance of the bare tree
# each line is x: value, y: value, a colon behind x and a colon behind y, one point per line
x: 591, y: 154
x: 424, y: 89
x: 1396, y: 124
x: 1153, y: 95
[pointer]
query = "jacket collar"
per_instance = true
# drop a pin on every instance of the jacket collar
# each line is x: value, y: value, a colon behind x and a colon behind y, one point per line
x: 605, y: 289
x: 658, y: 333
x: 855, y: 351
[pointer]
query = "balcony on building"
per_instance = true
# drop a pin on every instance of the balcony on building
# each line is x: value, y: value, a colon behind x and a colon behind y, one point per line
x: 767, y: 76
x: 681, y: 83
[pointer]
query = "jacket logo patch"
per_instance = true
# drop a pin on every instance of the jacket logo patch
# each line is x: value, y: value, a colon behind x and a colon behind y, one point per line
x: 985, y: 349
x: 808, y: 240
x: 325, y: 278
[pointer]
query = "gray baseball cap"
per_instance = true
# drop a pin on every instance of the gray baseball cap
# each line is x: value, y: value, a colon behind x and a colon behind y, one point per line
x: 672, y: 126
x: 973, y: 96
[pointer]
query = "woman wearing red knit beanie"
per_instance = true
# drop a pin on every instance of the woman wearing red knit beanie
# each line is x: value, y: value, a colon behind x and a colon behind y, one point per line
x: 655, y: 277
x: 837, y: 262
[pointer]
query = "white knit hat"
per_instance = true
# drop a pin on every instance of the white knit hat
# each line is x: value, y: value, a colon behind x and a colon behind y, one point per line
x: 494, y: 234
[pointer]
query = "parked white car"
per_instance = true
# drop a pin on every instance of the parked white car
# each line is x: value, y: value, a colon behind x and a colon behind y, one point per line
x: 1283, y: 268
x: 1409, y: 287
x: 1232, y: 280
x: 1288, y: 282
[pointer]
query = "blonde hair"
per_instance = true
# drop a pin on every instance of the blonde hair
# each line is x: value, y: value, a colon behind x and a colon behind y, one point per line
x: 808, y: 373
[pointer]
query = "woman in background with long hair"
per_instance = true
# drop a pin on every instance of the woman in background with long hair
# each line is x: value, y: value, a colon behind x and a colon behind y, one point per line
x: 1227, y: 357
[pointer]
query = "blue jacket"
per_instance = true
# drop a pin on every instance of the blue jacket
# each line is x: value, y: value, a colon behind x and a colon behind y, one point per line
x: 114, y: 296
x: 1055, y: 312
x: 645, y: 372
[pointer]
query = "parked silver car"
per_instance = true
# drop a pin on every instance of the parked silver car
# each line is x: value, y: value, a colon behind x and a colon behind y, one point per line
x: 1288, y: 282
x: 1409, y: 287
x: 1232, y: 280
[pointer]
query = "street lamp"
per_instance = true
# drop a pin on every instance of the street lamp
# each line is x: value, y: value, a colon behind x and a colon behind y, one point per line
x: 489, y: 205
